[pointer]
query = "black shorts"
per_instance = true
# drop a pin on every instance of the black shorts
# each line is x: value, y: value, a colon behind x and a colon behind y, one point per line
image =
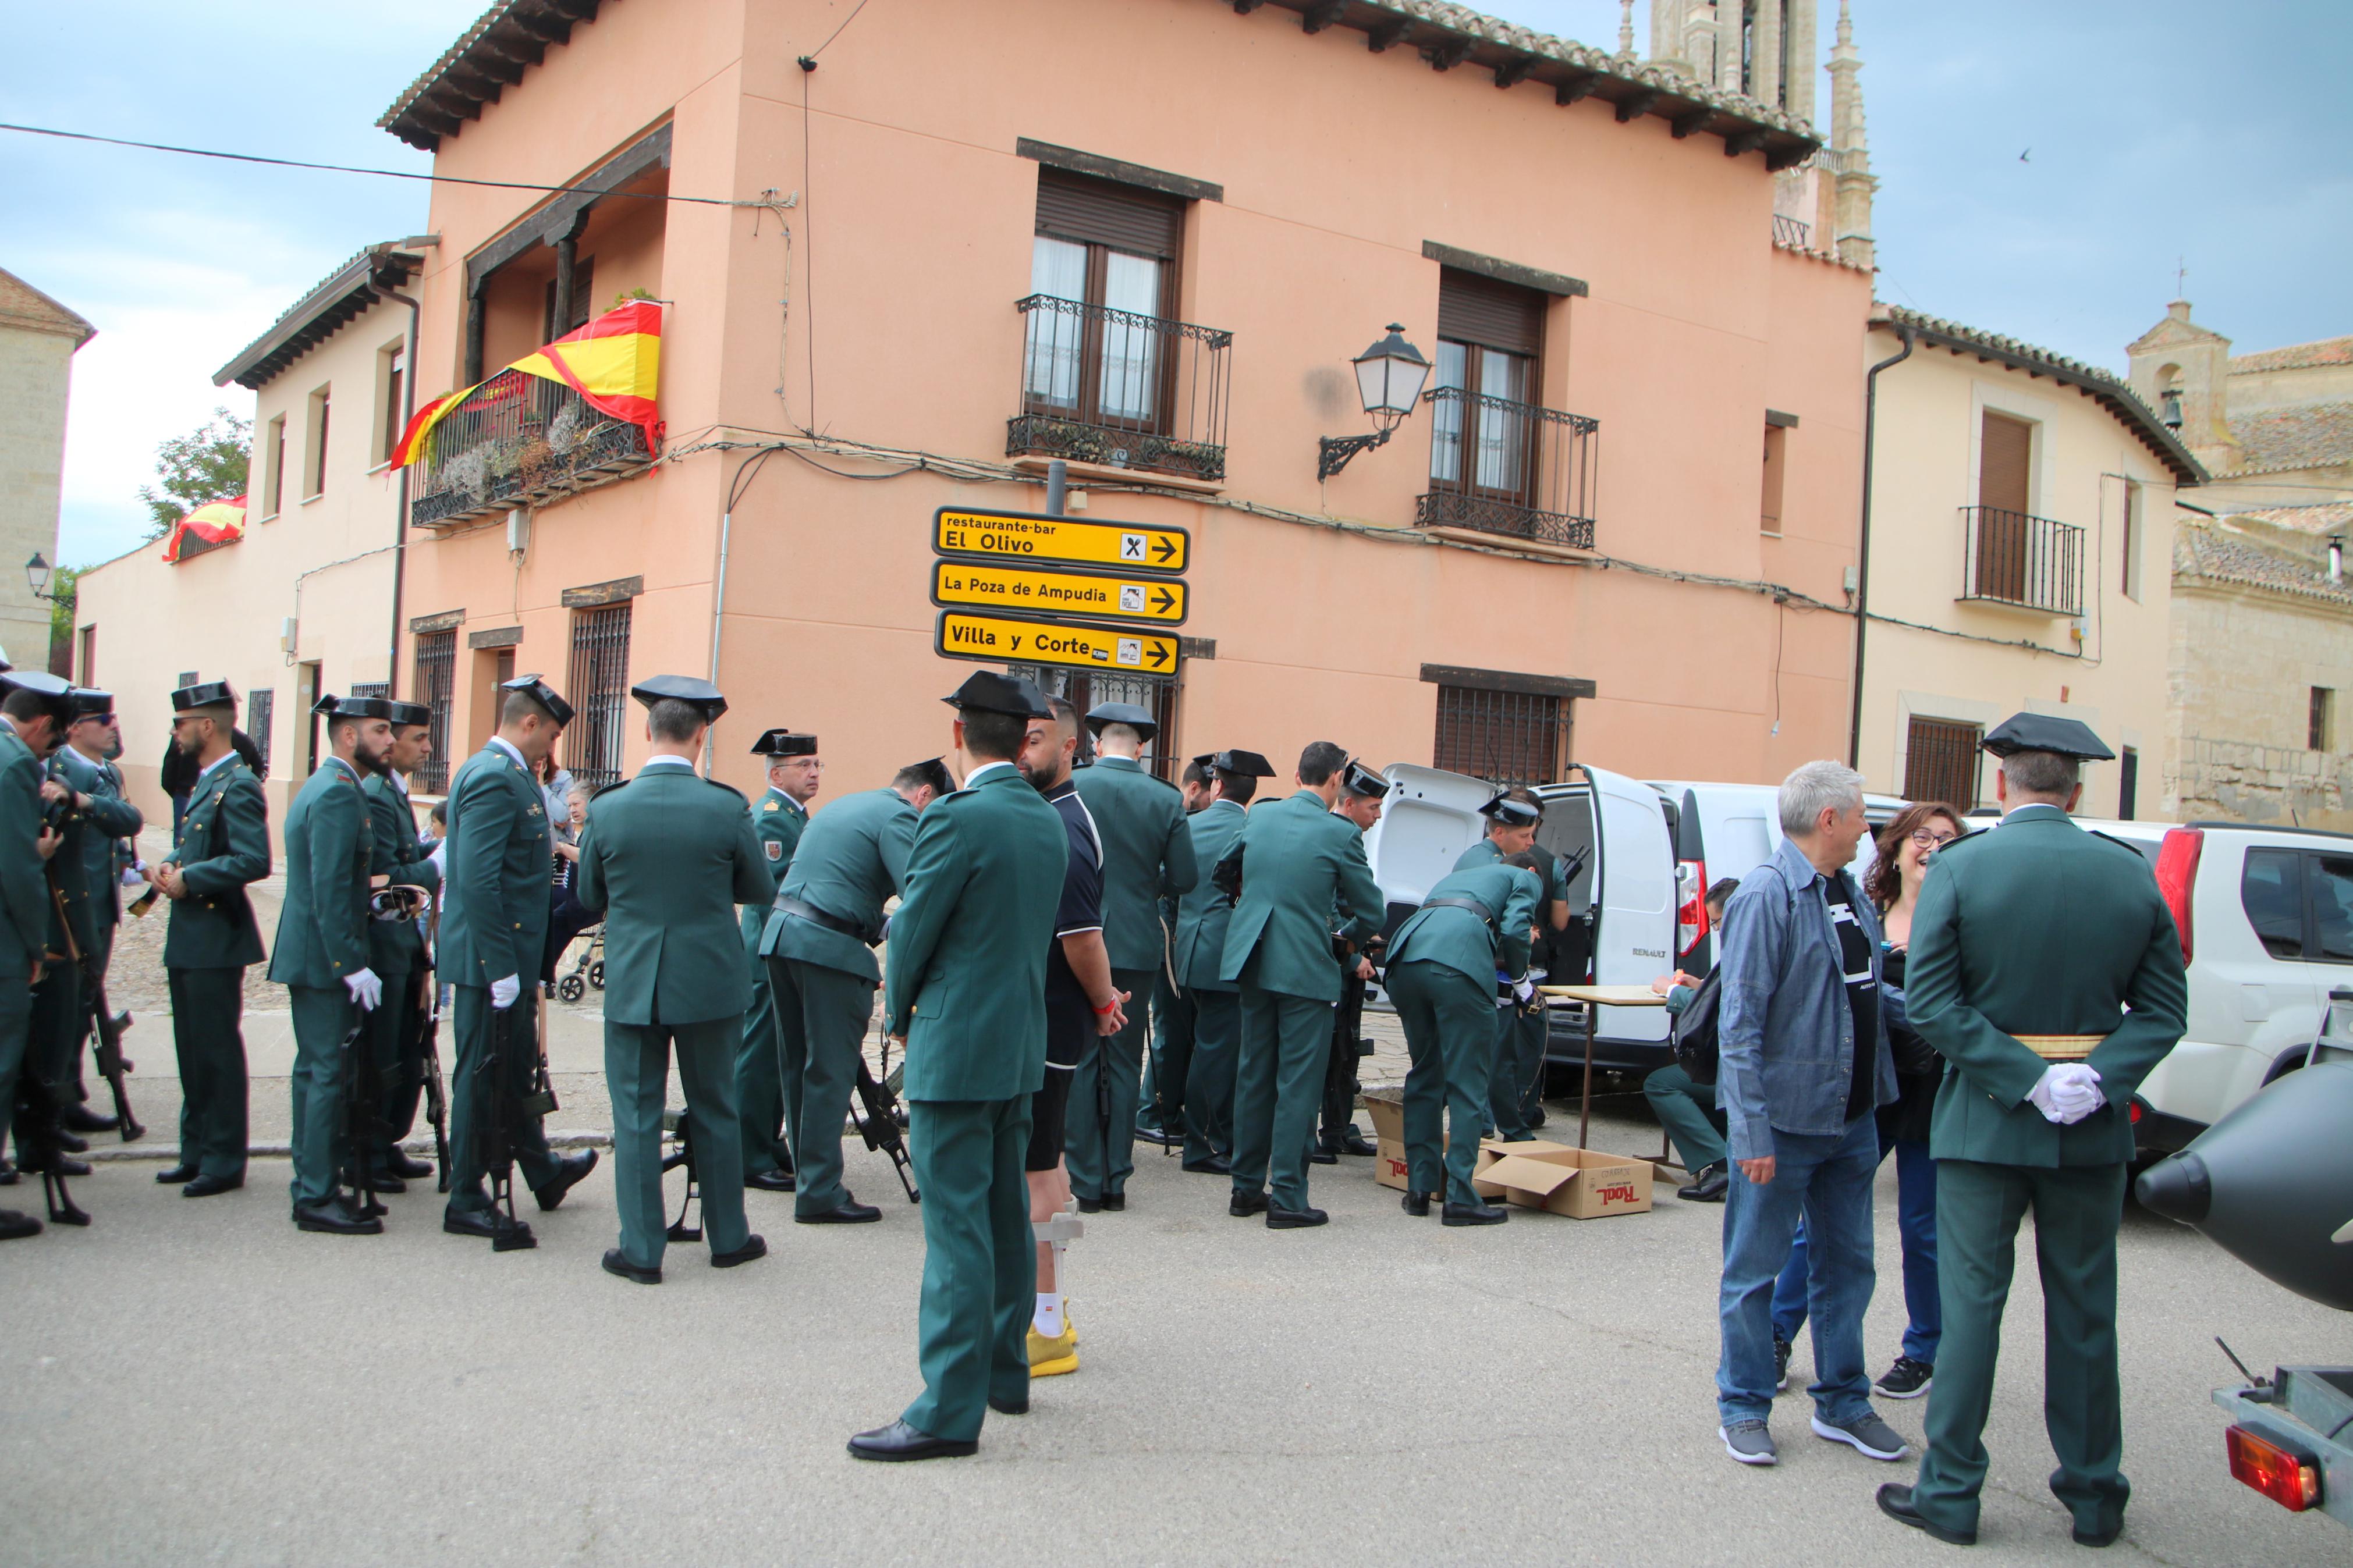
x: 1069, y: 1025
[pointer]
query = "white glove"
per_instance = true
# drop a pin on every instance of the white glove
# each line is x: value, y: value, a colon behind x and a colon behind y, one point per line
x: 132, y: 873
x: 504, y: 992
x: 366, y: 989
x: 1524, y: 991
x: 2075, y: 1093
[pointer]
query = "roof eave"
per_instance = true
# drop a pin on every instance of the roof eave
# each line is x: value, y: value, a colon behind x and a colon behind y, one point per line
x: 320, y: 314
x: 493, y: 55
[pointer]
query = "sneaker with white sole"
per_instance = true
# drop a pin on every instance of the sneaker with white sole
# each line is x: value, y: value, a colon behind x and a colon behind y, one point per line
x: 1781, y: 1364
x: 1867, y: 1435
x: 1750, y: 1442
x: 1907, y: 1379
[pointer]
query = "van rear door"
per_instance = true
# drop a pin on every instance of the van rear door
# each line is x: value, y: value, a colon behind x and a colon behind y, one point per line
x: 1429, y: 819
x: 1633, y: 896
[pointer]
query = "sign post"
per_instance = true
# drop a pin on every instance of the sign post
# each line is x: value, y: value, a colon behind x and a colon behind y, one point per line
x: 997, y: 636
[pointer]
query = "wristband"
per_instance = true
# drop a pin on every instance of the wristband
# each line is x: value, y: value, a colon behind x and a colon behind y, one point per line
x: 1105, y: 1008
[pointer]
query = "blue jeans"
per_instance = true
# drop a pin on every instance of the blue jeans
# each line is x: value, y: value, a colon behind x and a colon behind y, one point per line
x: 1916, y: 1222
x: 1825, y: 1178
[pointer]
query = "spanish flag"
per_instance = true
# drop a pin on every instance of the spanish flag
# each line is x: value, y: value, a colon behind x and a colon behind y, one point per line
x: 614, y: 364
x: 213, y: 524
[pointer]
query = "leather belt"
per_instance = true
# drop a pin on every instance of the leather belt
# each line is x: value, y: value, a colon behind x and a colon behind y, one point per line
x: 816, y: 916
x: 1473, y: 905
x: 2060, y: 1048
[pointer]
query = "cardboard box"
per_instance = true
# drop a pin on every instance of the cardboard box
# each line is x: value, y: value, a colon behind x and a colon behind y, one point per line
x: 1387, y: 1108
x: 1583, y: 1184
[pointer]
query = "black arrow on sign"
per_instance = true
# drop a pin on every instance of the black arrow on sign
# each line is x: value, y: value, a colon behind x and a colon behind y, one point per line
x: 1159, y: 654
x: 1166, y: 602
x: 1162, y: 549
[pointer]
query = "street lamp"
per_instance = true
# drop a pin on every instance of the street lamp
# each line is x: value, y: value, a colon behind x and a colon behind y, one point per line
x: 36, y: 573
x: 1389, y: 377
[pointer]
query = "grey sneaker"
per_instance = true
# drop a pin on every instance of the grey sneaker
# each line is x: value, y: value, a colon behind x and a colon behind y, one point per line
x: 1749, y: 1442
x: 1868, y: 1435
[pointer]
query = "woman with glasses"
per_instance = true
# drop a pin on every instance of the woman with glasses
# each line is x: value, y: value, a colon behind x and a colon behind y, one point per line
x: 1892, y: 885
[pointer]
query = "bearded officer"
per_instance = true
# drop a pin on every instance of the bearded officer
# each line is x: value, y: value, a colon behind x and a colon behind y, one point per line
x: 1362, y: 791
x: 1201, y: 1057
x: 966, y: 991
x: 667, y: 857
x: 1147, y: 855
x: 794, y: 772
x: 32, y: 715
x: 2046, y: 970
x: 396, y: 945
x: 493, y: 929
x: 83, y: 792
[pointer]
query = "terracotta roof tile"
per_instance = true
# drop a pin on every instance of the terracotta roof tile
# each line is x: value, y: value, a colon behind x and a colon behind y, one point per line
x: 2218, y: 553
x: 2302, y: 436
x: 2295, y: 356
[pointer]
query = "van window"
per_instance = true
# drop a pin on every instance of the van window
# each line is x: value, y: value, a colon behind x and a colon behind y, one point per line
x: 1568, y: 833
x: 2270, y: 889
x: 2332, y: 906
x: 1743, y: 844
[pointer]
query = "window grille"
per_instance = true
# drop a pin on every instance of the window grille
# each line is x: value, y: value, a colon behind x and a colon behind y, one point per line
x: 1084, y: 688
x: 598, y: 690
x: 1940, y: 762
x: 259, y: 709
x: 437, y: 663
x: 1504, y: 737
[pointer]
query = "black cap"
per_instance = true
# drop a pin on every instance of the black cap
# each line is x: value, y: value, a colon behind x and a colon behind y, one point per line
x: 204, y: 694
x: 1511, y: 812
x: 934, y: 771
x: 56, y: 691
x: 332, y: 707
x: 778, y: 744
x: 985, y: 691
x: 692, y: 691
x: 1363, y: 783
x: 1137, y: 719
x: 89, y: 702
x: 2042, y: 732
x: 1240, y: 764
x: 411, y: 714
x: 541, y: 692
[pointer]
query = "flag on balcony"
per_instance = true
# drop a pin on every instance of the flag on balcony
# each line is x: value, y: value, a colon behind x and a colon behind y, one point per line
x: 214, y: 522
x: 614, y: 364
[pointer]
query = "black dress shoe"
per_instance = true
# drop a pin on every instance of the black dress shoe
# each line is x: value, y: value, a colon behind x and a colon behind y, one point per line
x: 1321, y: 1155
x: 82, y: 1119
x: 1708, y: 1185
x: 899, y: 1441
x: 1294, y: 1219
x: 1242, y: 1206
x: 332, y: 1218
x: 771, y: 1181
x: 849, y: 1211
x: 1010, y: 1406
x: 174, y: 1176
x: 755, y: 1246
x: 569, y: 1169
x: 1417, y: 1204
x: 209, y: 1186
x: 1895, y: 1502
x: 384, y: 1182
x: 1115, y: 1203
x: 1215, y: 1165
x: 1089, y: 1205
x: 408, y: 1168
x: 7, y: 1174
x: 616, y: 1263
x: 68, y: 1143
x: 2096, y: 1538
x: 66, y: 1165
x: 14, y: 1226
x: 1354, y: 1142
x: 1474, y: 1214
x: 1154, y: 1135
x: 490, y: 1225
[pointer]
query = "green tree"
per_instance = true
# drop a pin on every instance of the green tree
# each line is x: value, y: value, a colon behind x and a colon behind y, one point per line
x: 209, y: 463
x: 61, y: 617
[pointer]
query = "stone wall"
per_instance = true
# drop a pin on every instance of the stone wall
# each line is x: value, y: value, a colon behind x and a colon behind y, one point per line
x: 2244, y: 661
x: 33, y: 381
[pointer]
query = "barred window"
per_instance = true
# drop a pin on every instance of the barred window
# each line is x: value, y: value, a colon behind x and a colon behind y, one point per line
x: 599, y: 689
x: 1505, y: 737
x: 1940, y: 762
x: 260, y: 706
x: 370, y: 688
x: 437, y: 666
x: 1084, y: 688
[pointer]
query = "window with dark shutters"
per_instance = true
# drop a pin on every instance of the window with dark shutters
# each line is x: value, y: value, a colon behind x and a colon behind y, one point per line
x: 1940, y: 762
x: 1489, y: 314
x: 2004, y: 530
x: 1482, y: 425
x: 1103, y: 211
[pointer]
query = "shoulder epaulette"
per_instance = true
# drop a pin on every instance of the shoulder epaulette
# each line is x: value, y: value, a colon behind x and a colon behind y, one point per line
x: 1969, y: 838
x: 2119, y: 843
x: 616, y: 784
x: 731, y: 789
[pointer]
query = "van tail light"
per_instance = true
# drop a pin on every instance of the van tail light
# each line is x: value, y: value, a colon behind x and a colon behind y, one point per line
x: 1691, y: 906
x: 2289, y: 1479
x: 2177, y: 874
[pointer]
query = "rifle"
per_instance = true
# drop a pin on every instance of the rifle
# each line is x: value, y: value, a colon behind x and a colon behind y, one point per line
x: 679, y: 1125
x: 880, y: 1125
x: 37, y: 1148
x: 112, y: 1063
x: 503, y: 1105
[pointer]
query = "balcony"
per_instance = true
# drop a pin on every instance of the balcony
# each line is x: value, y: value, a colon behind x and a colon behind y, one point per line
x: 1512, y: 469
x: 520, y: 440
x: 1794, y: 233
x: 2014, y: 558
x: 1121, y: 390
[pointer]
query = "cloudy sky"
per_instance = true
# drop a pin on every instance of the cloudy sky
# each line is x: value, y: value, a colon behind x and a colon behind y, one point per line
x: 2157, y: 133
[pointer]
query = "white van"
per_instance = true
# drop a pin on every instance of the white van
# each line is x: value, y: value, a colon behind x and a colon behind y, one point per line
x: 1728, y: 830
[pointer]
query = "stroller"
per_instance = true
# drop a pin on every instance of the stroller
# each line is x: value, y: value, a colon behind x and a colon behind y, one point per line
x: 587, y: 969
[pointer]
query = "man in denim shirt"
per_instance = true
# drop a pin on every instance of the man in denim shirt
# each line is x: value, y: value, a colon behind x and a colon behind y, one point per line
x: 1803, y: 1065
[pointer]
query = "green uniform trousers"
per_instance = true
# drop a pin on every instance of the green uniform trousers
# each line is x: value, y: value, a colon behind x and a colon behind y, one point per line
x: 1278, y: 1086
x: 88, y: 1011
x: 980, y: 1260
x: 396, y: 1054
x: 53, y: 1050
x: 1099, y: 1145
x: 1213, y: 1054
x: 1157, y: 1106
x: 206, y: 1007
x: 760, y: 1098
x: 470, y: 1107
x: 323, y: 1018
x: 821, y: 1017
x: 1449, y: 1035
x: 1515, y: 1086
x: 2077, y: 1211
x: 15, y: 1032
x: 1687, y: 1110
x: 637, y: 1074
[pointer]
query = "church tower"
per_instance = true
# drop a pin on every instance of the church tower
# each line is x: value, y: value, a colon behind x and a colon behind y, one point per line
x: 1849, y: 159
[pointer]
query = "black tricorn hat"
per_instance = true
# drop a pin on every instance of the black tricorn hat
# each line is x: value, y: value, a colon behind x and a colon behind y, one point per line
x: 410, y: 712
x: 1239, y: 763
x: 784, y: 743
x: 692, y: 691
x: 89, y: 703
x: 1137, y: 719
x: 1511, y: 812
x: 2042, y: 732
x: 204, y: 694
x: 985, y: 691
x: 934, y: 771
x: 1363, y: 783
x: 332, y: 707
x: 55, y: 692
x: 541, y: 692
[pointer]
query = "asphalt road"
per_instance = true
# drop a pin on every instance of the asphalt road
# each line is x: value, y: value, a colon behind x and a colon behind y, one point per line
x: 192, y: 1383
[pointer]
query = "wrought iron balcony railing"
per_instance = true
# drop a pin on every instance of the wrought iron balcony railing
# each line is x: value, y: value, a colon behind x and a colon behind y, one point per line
x: 520, y: 440
x: 1794, y: 232
x: 1121, y: 389
x: 2014, y: 558
x: 1510, y: 469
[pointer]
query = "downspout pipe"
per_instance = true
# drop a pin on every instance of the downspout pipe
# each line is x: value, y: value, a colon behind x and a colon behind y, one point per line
x: 400, y: 518
x: 1863, y: 550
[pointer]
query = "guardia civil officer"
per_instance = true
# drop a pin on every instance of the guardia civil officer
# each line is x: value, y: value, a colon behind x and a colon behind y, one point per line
x: 1160, y: 1118
x: 1515, y: 1086
x: 321, y: 955
x: 82, y: 794
x: 397, y: 948
x: 1362, y: 791
x: 667, y: 857
x: 794, y: 772
x: 493, y: 929
x: 1147, y: 855
x: 818, y: 948
x: 1207, y: 1038
x: 32, y: 715
x: 2046, y: 970
x: 1293, y: 865
x: 966, y: 991
x: 223, y: 849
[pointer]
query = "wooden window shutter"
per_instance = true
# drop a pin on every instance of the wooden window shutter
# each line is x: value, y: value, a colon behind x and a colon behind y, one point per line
x: 1475, y: 309
x: 2002, y: 457
x: 1101, y: 212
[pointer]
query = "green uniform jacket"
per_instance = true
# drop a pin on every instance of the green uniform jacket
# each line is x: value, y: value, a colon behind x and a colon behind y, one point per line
x: 1147, y: 854
x: 397, y: 947
x: 1204, y: 910
x: 967, y: 975
x: 2039, y: 928
x: 1459, y: 939
x: 322, y: 934
x: 108, y: 820
x: 224, y: 845
x: 781, y: 821
x: 495, y: 903
x: 1482, y: 853
x: 853, y: 857
x: 1296, y: 857
x: 24, y: 889
x: 667, y: 857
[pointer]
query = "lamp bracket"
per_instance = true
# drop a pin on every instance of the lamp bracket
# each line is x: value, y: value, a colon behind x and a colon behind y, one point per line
x: 1333, y: 452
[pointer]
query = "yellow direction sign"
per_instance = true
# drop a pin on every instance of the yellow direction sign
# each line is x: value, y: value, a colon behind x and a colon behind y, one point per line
x: 1084, y: 541
x: 1096, y: 595
x: 1027, y: 639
